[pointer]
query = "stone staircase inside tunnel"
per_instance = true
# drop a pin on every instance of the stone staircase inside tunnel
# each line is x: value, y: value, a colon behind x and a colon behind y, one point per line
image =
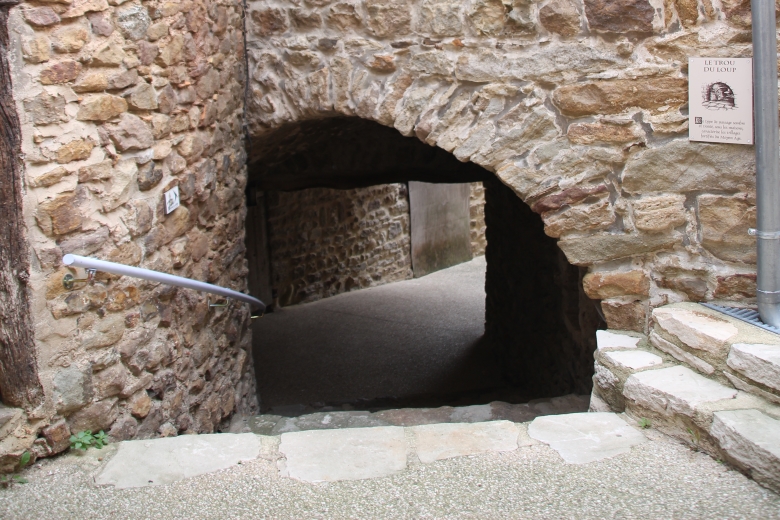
x: 705, y: 378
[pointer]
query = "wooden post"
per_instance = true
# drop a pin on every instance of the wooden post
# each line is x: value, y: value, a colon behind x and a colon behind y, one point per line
x: 19, y: 384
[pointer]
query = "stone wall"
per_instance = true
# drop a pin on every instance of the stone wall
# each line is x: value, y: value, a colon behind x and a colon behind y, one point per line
x: 325, y: 242
x: 119, y: 103
x: 579, y: 107
x: 477, y: 212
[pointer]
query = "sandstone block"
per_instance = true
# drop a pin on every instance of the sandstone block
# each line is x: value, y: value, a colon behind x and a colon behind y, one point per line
x: 633, y: 359
x: 608, y: 340
x: 440, y: 18
x: 600, y: 248
x: 695, y: 330
x: 96, y: 172
x: 120, y: 186
x: 674, y: 390
x: 351, y: 454
x: 41, y: 16
x: 138, y: 218
x: 737, y: 286
x: 692, y: 283
x: 343, y: 16
x: 149, y: 175
x: 589, y: 133
x: 619, y: 16
x: 388, y: 17
x: 383, y: 63
x: 724, y: 227
x: 615, y: 96
x: 682, y: 166
x: 60, y: 215
x: 751, y: 441
x: 123, y: 80
x: 487, y: 17
x: 140, y: 404
x: 157, y: 31
x: 267, y: 22
x: 579, y: 218
x: 108, y: 55
x: 85, y: 243
x: 132, y: 21
x: 101, y: 24
x: 123, y: 429
x: 130, y: 133
x: 36, y: 49
x: 105, y: 332
x: 625, y: 314
x: 49, y: 178
x: 443, y: 441
x: 61, y: 72
x: 305, y: 19
x: 660, y: 213
x: 560, y: 17
x: 76, y: 150
x: 92, y: 82
x: 581, y: 438
x: 680, y: 354
x: 46, y: 109
x: 70, y: 38
x: 608, y: 284
x: 97, y: 416
x: 57, y: 436
x: 143, y: 97
x: 80, y: 7
x: 101, y: 107
x: 72, y: 388
x: 760, y: 363
x: 567, y: 197
x: 110, y: 381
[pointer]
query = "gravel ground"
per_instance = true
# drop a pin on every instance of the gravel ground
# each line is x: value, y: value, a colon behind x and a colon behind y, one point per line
x: 658, y: 479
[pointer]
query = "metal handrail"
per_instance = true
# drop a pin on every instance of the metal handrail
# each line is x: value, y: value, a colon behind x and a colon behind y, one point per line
x: 156, y: 276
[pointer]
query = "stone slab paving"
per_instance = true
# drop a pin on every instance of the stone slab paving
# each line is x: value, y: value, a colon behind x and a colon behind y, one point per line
x: 349, y: 454
x: 659, y: 478
x: 443, y: 441
x: 751, y: 440
x: 586, y: 437
x: 606, y: 340
x: 162, y: 461
x: 633, y: 359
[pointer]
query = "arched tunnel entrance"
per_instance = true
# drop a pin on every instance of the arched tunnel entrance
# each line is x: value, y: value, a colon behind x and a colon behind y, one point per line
x: 329, y: 212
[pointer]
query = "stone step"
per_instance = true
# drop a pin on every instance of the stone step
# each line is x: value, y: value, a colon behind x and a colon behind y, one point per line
x: 758, y: 362
x: 270, y: 424
x: 750, y: 440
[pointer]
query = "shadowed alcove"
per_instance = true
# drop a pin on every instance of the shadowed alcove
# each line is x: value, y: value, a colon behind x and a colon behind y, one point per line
x: 352, y: 175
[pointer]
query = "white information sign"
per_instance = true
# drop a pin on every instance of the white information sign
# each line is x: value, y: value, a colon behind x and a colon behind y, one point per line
x: 720, y: 100
x: 171, y: 199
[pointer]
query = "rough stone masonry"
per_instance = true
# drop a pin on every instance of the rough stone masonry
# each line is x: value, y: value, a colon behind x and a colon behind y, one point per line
x: 578, y: 106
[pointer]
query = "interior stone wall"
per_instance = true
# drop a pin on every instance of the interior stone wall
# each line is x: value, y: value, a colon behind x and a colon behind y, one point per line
x: 118, y: 102
x: 579, y: 106
x: 477, y: 214
x: 326, y: 241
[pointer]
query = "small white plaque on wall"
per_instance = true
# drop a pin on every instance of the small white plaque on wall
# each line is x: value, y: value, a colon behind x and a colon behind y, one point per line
x: 171, y: 200
x: 720, y: 100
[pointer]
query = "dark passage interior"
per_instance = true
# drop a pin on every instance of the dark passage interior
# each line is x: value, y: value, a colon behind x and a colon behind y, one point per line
x: 329, y: 212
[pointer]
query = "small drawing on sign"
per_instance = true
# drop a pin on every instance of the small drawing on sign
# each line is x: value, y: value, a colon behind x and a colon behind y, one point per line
x: 171, y: 199
x: 718, y: 96
x: 698, y: 120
